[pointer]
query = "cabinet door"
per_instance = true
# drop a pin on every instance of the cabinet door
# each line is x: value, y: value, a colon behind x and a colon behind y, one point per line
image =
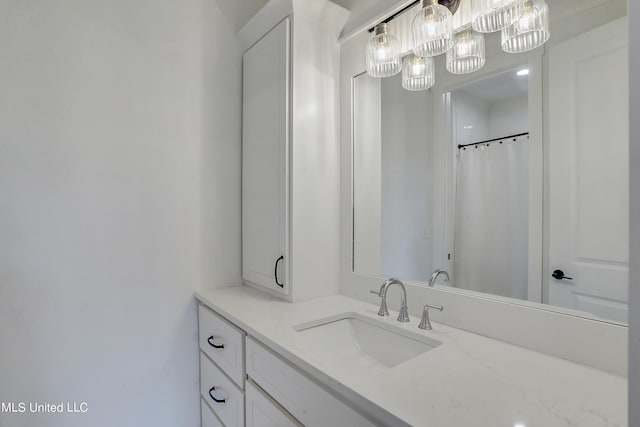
x: 262, y: 411
x: 265, y: 135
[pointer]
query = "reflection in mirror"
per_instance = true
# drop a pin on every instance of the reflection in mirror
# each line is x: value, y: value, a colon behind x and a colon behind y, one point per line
x: 491, y: 132
x: 392, y: 179
x: 588, y: 173
x: 566, y: 244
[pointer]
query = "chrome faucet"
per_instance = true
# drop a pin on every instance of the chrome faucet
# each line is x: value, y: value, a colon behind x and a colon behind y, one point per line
x: 403, y: 316
x: 425, y: 323
x: 435, y: 275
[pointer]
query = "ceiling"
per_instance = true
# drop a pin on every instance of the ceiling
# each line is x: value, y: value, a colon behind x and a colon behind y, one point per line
x: 238, y: 12
x: 347, y: 4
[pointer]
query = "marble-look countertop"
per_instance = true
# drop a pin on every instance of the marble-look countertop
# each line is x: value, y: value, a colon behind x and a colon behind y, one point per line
x: 469, y: 380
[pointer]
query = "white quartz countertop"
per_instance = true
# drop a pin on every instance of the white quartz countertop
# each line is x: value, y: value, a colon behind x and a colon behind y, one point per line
x: 469, y: 380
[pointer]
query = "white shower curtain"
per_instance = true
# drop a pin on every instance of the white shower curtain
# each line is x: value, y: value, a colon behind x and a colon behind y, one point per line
x: 492, y: 219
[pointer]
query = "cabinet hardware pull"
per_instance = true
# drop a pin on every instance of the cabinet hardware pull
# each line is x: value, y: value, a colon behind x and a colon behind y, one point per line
x: 275, y: 272
x: 213, y: 397
x: 210, y: 341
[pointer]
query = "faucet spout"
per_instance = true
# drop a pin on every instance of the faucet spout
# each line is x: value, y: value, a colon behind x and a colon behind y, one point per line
x: 403, y: 316
x: 436, y: 273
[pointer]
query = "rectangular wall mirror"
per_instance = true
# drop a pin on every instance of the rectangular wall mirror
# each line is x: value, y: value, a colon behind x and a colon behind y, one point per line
x: 513, y: 179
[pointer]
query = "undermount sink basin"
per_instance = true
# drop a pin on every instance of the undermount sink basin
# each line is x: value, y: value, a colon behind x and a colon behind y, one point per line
x: 351, y: 335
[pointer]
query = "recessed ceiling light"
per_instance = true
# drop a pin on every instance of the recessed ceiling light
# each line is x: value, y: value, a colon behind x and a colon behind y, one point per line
x: 524, y: 72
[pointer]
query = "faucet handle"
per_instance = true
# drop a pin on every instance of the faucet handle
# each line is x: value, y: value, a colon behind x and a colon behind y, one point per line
x: 383, y: 311
x: 425, y: 323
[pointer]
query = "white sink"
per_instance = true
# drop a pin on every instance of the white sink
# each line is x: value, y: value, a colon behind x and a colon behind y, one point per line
x: 352, y: 335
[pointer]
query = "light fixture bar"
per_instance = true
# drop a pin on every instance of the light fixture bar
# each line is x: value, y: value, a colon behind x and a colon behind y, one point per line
x: 395, y: 15
x: 452, y: 5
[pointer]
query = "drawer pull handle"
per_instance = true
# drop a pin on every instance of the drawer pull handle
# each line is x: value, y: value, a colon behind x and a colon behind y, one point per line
x: 214, y: 398
x: 211, y: 343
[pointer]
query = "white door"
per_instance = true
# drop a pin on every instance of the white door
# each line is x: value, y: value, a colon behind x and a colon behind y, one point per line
x: 265, y: 137
x: 589, y: 176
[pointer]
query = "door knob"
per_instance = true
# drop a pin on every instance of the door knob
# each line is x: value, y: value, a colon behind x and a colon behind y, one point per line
x: 559, y: 275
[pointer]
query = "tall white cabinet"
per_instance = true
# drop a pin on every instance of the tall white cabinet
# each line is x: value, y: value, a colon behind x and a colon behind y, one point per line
x: 291, y: 152
x: 265, y: 139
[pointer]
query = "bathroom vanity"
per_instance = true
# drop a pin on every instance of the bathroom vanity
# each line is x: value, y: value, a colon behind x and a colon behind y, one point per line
x: 333, y: 207
x: 277, y: 368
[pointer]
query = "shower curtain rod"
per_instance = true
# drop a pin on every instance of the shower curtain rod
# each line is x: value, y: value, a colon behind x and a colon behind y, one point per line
x: 493, y: 140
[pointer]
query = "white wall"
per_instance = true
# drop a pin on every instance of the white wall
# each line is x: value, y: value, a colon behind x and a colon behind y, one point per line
x: 119, y: 195
x: 509, y: 117
x: 314, y: 261
x: 471, y: 117
x: 634, y: 282
x: 477, y: 120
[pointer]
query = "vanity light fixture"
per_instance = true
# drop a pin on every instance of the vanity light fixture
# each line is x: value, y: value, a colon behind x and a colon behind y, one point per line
x: 433, y: 28
x: 383, y: 53
x: 524, y: 25
x: 494, y: 15
x: 417, y: 73
x: 530, y: 31
x: 467, y: 54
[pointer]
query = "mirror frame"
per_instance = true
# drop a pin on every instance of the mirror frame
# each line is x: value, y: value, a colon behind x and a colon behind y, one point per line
x: 552, y: 330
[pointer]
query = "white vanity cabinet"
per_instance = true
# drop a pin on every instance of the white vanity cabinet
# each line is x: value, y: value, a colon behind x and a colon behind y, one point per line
x: 272, y: 392
x: 290, y: 149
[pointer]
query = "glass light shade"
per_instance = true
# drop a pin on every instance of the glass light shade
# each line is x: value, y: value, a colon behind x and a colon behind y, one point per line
x: 417, y: 73
x: 467, y: 54
x: 383, y: 53
x: 530, y: 31
x: 432, y: 29
x: 494, y: 15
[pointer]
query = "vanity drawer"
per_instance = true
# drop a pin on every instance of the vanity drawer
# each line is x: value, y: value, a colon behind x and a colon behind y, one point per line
x: 223, y: 343
x: 303, y: 398
x: 262, y: 411
x: 208, y: 419
x: 214, y: 385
